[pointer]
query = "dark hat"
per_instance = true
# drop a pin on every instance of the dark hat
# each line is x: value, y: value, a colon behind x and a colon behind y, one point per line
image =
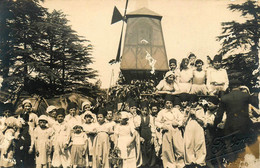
x: 235, y: 82
x: 102, y: 111
x: 194, y: 98
x: 60, y: 111
x: 8, y: 106
x: 168, y: 98
x: 217, y: 58
x: 154, y: 103
x: 144, y: 104
x: 132, y: 103
x: 172, y: 61
x: 184, y: 97
x: 213, y: 99
x: 88, y: 116
x: 199, y: 61
x: 191, y: 55
x: 177, y: 101
x: 109, y: 108
x: 72, y: 105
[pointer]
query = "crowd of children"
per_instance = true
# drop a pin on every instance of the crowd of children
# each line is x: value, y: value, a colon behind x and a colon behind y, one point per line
x: 180, y: 133
x: 143, y: 135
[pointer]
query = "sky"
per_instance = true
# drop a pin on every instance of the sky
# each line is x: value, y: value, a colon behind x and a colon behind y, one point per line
x: 188, y: 26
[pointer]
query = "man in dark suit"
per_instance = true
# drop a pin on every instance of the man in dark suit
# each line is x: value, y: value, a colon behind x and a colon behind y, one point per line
x: 238, y: 129
x: 235, y: 104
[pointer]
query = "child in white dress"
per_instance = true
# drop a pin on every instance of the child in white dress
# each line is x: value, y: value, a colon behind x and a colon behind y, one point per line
x: 199, y: 79
x: 78, y: 147
x: 125, y: 138
x: 101, y: 144
x: 7, y: 146
x: 89, y: 128
x: 41, y: 140
x: 61, y: 155
x: 194, y: 138
x: 72, y: 118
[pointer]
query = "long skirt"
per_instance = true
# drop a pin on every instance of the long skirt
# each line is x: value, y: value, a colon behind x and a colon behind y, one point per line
x: 61, y: 157
x: 77, y: 153
x: 172, y: 148
x: 101, y: 150
x: 194, y: 144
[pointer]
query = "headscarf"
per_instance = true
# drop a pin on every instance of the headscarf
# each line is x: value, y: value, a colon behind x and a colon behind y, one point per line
x: 43, y: 118
x: 169, y: 73
x: 124, y: 115
x: 84, y: 104
x: 50, y: 108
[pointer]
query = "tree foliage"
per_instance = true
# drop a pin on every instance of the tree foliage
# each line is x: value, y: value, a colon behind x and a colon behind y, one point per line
x: 40, y: 52
x: 240, y: 42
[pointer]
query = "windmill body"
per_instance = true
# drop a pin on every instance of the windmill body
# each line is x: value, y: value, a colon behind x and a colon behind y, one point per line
x: 144, y: 54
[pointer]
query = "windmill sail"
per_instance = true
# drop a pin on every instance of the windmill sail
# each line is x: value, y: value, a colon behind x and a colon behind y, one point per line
x: 116, y: 16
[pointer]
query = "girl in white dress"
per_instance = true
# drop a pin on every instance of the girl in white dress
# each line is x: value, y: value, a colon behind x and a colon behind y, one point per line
x: 199, y: 79
x: 185, y: 78
x: 41, y: 140
x: 125, y: 141
x: 61, y: 155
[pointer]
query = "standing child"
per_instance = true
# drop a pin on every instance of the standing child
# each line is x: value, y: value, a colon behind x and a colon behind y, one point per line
x: 78, y: 147
x: 148, y: 153
x: 156, y: 134
x: 185, y: 78
x: 89, y: 128
x: 60, y: 140
x: 173, y: 68
x: 212, y: 107
x: 41, y: 140
x: 7, y: 111
x: 169, y: 120
x: 33, y: 118
x: 52, y: 112
x: 101, y: 145
x: 125, y: 141
x: 86, y: 109
x: 7, y: 146
x: 199, y: 79
x: 217, y: 78
x: 72, y: 118
x: 194, y: 139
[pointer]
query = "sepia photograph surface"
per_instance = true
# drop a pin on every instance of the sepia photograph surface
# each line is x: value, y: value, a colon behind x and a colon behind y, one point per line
x: 129, y: 83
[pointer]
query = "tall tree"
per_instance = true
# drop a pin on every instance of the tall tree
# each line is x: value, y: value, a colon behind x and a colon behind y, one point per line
x: 17, y: 45
x: 68, y: 54
x: 39, y: 50
x: 240, y: 42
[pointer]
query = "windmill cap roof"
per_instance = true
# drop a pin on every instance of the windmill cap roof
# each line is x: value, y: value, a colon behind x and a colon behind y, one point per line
x: 144, y: 12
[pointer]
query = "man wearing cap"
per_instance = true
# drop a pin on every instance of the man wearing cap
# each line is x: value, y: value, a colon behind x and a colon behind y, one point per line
x: 217, y: 78
x: 238, y: 124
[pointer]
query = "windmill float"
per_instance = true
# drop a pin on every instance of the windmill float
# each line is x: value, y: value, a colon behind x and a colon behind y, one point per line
x: 144, y: 55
